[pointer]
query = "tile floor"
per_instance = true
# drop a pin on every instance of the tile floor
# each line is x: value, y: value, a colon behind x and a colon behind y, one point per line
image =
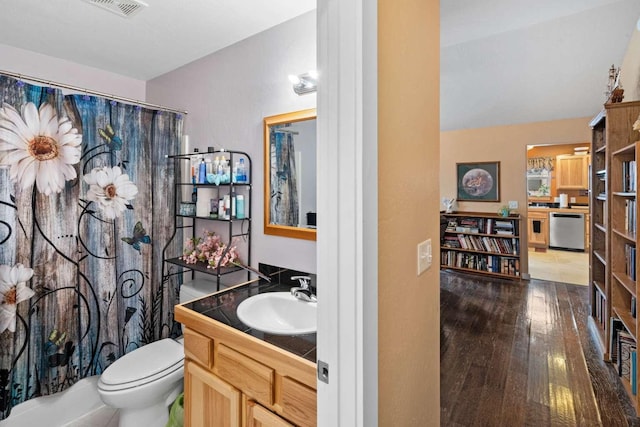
x: 101, y: 417
x: 560, y: 266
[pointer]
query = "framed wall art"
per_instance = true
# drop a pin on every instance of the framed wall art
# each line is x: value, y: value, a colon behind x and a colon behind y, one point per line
x: 478, y: 181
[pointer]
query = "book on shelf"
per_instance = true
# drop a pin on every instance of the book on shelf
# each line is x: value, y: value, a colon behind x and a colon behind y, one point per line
x: 634, y: 372
x: 630, y: 216
x: 615, y: 326
x: 629, y: 176
x: 626, y: 344
x: 481, y: 262
x: 451, y: 225
x: 630, y: 260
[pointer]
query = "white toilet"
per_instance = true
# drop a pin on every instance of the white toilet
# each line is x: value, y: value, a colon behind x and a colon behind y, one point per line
x: 143, y: 384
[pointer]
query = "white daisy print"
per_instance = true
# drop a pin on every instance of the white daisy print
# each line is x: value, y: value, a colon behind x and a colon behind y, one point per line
x: 13, y: 290
x: 111, y: 189
x: 38, y: 146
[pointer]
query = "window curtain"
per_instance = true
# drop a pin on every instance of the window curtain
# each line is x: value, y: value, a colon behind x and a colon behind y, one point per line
x: 81, y: 245
x: 284, y: 188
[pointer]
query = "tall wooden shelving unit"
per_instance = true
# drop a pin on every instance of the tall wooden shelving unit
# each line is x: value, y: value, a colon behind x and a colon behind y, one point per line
x: 599, y: 291
x: 622, y: 148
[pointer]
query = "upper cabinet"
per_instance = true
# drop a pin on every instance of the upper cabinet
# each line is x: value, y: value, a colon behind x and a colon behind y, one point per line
x: 572, y: 172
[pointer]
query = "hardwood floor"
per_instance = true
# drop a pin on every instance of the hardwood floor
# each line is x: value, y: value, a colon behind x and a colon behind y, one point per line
x: 521, y: 354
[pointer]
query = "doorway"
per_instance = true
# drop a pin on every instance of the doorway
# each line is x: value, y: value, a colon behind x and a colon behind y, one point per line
x: 558, y: 212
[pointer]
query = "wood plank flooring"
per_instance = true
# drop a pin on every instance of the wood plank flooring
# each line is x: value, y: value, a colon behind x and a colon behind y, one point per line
x: 521, y: 354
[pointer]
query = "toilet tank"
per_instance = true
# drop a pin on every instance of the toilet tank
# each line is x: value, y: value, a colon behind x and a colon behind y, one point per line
x: 195, y: 289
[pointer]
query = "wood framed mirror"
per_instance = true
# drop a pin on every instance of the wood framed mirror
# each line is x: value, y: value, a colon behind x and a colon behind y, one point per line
x: 290, y: 175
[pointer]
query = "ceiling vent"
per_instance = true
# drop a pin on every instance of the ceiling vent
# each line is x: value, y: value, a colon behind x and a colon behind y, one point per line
x: 124, y: 8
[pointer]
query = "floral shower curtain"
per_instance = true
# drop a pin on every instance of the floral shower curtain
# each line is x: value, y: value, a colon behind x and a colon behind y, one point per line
x: 84, y: 190
x: 284, y: 186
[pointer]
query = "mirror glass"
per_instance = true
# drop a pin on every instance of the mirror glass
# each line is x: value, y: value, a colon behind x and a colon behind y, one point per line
x: 290, y: 175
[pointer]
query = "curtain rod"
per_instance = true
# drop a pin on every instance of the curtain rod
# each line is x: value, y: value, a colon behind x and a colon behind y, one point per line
x: 92, y: 92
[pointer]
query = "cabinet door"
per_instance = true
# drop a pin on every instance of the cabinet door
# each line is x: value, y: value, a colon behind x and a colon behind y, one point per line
x: 209, y: 401
x: 572, y: 172
x: 258, y: 416
x: 538, y: 230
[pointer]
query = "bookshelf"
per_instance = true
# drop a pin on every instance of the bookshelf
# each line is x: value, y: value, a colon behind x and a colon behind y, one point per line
x: 599, y: 290
x: 482, y: 243
x: 623, y: 148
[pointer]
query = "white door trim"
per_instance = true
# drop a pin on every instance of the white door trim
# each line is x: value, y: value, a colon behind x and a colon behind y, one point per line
x: 347, y: 212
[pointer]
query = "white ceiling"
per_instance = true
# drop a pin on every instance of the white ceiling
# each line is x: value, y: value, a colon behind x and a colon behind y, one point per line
x: 159, y: 38
x: 502, y: 61
x: 518, y: 61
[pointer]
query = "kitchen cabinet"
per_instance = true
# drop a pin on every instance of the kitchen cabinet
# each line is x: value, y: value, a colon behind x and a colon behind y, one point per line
x: 538, y: 229
x: 572, y: 172
x: 233, y: 379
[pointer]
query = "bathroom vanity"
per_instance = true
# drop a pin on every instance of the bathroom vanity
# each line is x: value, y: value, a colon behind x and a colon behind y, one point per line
x: 238, y: 376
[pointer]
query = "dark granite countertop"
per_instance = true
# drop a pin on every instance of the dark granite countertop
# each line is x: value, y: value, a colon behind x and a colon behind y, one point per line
x: 222, y: 307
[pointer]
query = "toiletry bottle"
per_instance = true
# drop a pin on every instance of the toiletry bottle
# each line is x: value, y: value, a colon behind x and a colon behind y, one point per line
x: 202, y: 173
x: 233, y: 204
x: 235, y: 176
x: 221, y: 209
x: 240, y: 206
x: 221, y: 166
x: 213, y: 209
x: 227, y: 207
x: 194, y: 194
x: 242, y: 171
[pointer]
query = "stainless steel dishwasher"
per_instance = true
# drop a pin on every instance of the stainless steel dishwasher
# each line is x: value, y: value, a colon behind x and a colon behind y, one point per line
x: 566, y: 231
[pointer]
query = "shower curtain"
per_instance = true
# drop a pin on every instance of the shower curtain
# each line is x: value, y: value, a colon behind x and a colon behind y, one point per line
x: 284, y: 187
x: 84, y: 191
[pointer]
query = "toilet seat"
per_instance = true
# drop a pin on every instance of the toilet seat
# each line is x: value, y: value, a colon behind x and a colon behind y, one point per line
x: 145, y: 365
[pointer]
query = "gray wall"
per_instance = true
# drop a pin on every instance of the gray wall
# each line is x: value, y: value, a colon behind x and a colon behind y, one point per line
x: 228, y: 93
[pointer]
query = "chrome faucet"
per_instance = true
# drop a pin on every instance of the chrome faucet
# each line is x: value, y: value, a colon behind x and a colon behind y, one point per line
x: 303, y: 292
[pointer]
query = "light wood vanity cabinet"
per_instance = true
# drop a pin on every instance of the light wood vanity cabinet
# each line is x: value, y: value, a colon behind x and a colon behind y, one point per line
x: 538, y: 229
x: 572, y: 172
x: 233, y: 379
x: 209, y: 401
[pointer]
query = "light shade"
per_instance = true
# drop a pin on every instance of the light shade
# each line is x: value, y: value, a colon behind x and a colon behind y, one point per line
x: 305, y: 83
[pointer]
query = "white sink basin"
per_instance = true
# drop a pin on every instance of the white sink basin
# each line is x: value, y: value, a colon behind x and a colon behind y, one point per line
x: 279, y: 313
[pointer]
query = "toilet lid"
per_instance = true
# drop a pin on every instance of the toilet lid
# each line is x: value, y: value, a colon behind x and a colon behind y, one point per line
x: 144, y: 363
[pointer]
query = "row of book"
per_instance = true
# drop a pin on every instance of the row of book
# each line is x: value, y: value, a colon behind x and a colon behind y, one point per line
x: 600, y: 308
x: 622, y: 349
x: 630, y: 216
x: 630, y: 260
x: 488, y: 263
x: 629, y: 176
x: 482, y: 243
x: 482, y: 226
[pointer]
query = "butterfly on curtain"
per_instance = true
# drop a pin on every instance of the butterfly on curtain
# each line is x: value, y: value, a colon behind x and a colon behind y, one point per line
x: 110, y: 138
x: 139, y: 236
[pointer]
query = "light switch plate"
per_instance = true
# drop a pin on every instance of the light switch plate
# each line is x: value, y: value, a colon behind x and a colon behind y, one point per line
x: 513, y: 204
x: 424, y: 256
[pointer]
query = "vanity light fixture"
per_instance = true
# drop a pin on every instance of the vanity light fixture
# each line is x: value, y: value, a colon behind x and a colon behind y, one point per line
x: 304, y: 83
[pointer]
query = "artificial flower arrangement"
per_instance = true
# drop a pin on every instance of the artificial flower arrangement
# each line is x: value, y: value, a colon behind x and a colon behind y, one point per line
x: 209, y: 249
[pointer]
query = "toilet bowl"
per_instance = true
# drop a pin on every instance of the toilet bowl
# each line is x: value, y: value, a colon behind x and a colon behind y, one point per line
x: 143, y: 384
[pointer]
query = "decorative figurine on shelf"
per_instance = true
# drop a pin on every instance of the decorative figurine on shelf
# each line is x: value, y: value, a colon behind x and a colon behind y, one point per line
x: 448, y: 204
x: 636, y: 125
x: 614, y: 92
x: 504, y: 211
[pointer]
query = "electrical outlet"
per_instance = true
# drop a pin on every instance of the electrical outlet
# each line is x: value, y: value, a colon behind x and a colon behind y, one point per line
x: 424, y: 256
x: 513, y: 204
x: 572, y: 200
